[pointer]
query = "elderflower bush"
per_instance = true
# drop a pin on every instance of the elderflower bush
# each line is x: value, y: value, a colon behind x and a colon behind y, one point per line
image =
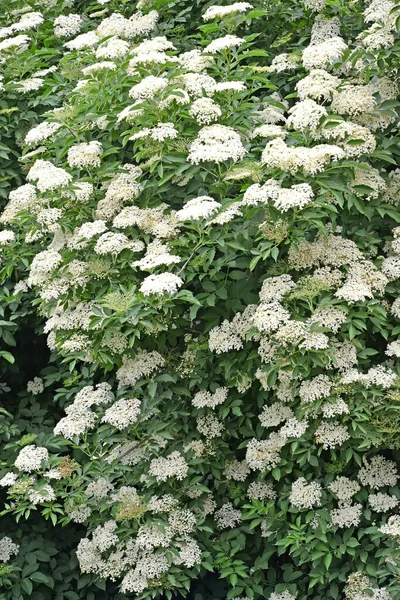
x: 208, y: 230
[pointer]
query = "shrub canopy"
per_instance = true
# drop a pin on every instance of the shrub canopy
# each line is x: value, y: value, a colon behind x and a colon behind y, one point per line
x: 200, y: 262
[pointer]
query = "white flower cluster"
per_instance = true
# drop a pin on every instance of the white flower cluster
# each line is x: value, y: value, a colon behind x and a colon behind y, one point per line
x: 324, y: 54
x: 219, y: 12
x: 277, y: 154
x: 275, y: 414
x: 304, y: 494
x: 207, y: 399
x: 378, y: 472
x: 318, y: 85
x: 112, y: 48
x: 83, y: 41
x: 35, y: 387
x: 98, y: 488
x: 162, y: 131
x: 142, y: 365
x: 344, y: 489
x: 202, y: 207
x: 205, y: 110
x: 148, y: 87
x: 85, y: 155
x: 174, y: 465
x: 30, y: 458
x: 67, y: 25
x: 331, y: 434
x: 264, y: 454
x: 224, y: 43
x: 41, y: 132
x: 346, y: 516
x: 382, y: 502
x: 216, y: 143
x: 79, y: 416
x: 122, y: 413
x: 227, y: 516
x: 7, y: 549
x: 165, y: 283
x: 18, y: 44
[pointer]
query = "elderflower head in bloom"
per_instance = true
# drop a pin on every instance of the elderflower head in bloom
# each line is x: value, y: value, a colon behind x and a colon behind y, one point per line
x: 382, y: 502
x: 331, y: 434
x: 41, y: 132
x: 35, y: 386
x: 100, y: 66
x: 162, y: 131
x: 298, y: 196
x: 85, y: 155
x: 261, y: 490
x: 277, y: 154
x: 8, y: 479
x: 264, y: 454
x: 174, y: 465
x: 392, y: 527
x: 209, y: 426
x: 30, y: 458
x: 205, y: 398
x: 205, y: 110
x: 28, y: 20
x: 165, y: 283
x: 122, y: 413
x: 79, y: 418
x: 283, y: 62
x: 83, y: 41
x: 114, y: 243
x: 47, y: 176
x: 306, y: 115
x: 29, y: 85
x: 219, y: 12
x: 353, y: 100
x: 216, y: 143
x: 275, y: 414
x: 315, y: 5
x: 274, y: 288
x: 195, y: 61
x: 202, y: 207
x: 393, y: 349
x: 224, y: 43
x: 236, y: 470
x: 156, y: 44
x: 354, y: 139
x: 324, y: 54
x: 344, y: 488
x: 269, y: 315
x: 112, y: 48
x: 7, y: 549
x: 45, y: 494
x: 6, y: 237
x: 318, y: 85
x: 157, y: 254
x: 67, y: 25
x: 43, y: 263
x: 143, y: 365
x: 304, y: 494
x: 148, y: 87
x: 17, y: 44
x: 315, y: 389
x: 347, y: 516
x: 282, y: 596
x: 227, y: 516
x: 378, y: 472
x: 98, y: 488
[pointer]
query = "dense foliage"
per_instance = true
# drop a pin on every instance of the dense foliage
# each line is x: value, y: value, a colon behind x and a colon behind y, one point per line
x: 200, y: 262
